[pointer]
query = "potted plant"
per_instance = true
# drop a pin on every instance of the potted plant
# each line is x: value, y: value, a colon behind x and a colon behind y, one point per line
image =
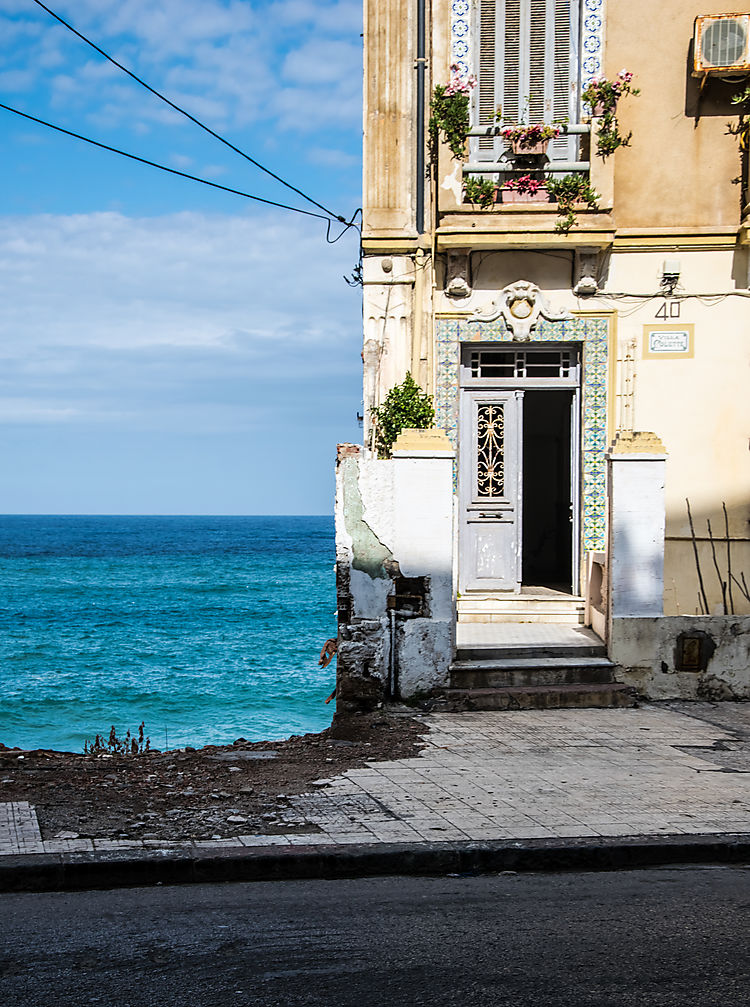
x: 601, y: 96
x: 528, y: 140
x: 525, y: 189
x: 449, y: 112
x: 405, y: 405
x: 569, y: 192
x: 480, y: 190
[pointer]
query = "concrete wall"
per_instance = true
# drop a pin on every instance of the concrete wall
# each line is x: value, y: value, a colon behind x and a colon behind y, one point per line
x: 394, y: 528
x: 648, y: 653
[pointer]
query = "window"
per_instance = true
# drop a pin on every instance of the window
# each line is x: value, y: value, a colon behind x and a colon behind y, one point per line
x: 523, y: 363
x: 526, y: 60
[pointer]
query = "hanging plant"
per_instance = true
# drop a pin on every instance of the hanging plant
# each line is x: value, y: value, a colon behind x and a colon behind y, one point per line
x: 405, y: 405
x: 742, y: 128
x: 480, y: 190
x: 568, y: 192
x: 601, y: 96
x: 449, y: 112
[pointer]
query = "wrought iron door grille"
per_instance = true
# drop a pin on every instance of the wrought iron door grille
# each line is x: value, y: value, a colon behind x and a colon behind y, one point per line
x: 490, y: 450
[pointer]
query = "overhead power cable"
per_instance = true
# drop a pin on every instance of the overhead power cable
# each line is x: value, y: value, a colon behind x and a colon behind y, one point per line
x: 193, y: 178
x: 182, y: 111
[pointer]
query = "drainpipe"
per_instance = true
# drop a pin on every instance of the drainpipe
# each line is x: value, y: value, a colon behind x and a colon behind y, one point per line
x: 420, y: 66
x: 392, y: 675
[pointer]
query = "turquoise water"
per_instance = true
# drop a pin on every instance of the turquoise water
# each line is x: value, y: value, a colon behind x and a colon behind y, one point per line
x: 208, y: 629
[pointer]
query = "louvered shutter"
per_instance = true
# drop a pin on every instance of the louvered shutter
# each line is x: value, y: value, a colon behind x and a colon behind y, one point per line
x: 526, y: 58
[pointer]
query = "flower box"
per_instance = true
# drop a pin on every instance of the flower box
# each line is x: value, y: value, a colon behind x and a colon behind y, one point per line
x: 517, y: 196
x: 527, y: 150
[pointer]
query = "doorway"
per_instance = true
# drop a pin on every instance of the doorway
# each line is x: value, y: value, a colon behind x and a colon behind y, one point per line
x: 546, y: 491
x: 518, y: 468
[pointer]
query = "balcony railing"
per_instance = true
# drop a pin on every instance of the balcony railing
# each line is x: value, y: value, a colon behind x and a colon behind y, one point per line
x: 507, y: 163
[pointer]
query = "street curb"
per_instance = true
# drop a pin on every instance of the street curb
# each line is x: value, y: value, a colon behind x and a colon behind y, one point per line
x: 63, y: 872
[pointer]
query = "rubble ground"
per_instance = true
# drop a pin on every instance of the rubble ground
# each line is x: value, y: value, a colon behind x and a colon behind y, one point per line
x: 207, y: 793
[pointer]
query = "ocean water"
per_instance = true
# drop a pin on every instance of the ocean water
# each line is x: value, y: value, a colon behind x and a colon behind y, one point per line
x: 206, y: 628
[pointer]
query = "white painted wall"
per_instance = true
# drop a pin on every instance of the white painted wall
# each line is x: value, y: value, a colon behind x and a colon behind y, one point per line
x: 636, y: 535
x: 397, y: 516
x: 423, y: 545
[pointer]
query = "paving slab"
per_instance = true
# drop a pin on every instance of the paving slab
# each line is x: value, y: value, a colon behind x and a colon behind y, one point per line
x: 554, y: 776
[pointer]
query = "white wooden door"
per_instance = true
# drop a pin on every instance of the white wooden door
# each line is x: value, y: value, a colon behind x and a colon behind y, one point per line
x: 490, y: 490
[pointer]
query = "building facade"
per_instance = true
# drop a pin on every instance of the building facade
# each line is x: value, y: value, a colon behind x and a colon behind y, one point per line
x: 590, y: 458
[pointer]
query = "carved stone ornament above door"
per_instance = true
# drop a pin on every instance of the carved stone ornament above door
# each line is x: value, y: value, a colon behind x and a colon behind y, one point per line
x: 520, y: 305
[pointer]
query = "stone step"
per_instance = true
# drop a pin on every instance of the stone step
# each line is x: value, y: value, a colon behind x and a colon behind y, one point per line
x: 498, y: 653
x: 507, y: 603
x: 542, y: 697
x: 566, y: 616
x: 522, y: 672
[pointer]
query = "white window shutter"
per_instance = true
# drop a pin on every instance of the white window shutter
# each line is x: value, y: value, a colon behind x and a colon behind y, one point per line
x: 489, y: 75
x: 527, y: 65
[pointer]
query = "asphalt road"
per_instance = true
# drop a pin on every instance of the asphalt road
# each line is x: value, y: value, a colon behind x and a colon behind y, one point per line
x: 652, y: 938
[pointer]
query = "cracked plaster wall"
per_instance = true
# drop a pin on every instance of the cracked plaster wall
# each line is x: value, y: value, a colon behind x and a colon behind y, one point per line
x: 644, y: 650
x: 393, y: 518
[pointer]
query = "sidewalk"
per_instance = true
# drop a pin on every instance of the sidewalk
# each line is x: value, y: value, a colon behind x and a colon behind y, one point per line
x: 547, y: 780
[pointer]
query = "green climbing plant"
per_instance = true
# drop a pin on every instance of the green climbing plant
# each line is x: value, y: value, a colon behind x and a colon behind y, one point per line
x: 567, y: 192
x: 449, y: 113
x: 602, y: 96
x: 405, y: 406
x: 741, y: 129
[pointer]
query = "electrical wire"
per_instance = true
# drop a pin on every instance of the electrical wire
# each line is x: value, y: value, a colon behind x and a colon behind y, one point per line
x: 183, y: 174
x: 182, y: 111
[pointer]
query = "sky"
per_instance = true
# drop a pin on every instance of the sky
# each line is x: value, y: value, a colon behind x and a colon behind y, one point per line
x: 166, y: 347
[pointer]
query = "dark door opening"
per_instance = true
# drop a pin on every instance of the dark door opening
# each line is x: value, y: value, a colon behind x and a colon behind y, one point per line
x: 547, y: 558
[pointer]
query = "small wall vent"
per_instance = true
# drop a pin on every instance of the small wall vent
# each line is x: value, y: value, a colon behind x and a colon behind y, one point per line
x: 721, y: 44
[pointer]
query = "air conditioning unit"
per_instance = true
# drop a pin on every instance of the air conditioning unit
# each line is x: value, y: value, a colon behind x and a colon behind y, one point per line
x: 721, y: 44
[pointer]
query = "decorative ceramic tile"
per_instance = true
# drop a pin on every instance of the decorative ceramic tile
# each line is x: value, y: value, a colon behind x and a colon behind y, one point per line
x: 460, y: 35
x: 592, y: 38
x: 593, y: 335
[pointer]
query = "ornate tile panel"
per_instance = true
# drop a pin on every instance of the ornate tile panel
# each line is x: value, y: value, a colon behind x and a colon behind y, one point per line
x: 592, y: 40
x: 460, y: 34
x: 592, y: 334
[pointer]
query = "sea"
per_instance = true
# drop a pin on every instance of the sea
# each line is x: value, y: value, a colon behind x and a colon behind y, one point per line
x: 205, y: 629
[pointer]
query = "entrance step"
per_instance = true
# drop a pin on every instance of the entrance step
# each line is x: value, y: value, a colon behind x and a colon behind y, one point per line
x: 532, y: 666
x: 529, y: 606
x: 487, y: 640
x: 542, y: 697
x: 531, y: 671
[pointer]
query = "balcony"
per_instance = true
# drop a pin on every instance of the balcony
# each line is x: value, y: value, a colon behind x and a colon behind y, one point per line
x: 521, y: 225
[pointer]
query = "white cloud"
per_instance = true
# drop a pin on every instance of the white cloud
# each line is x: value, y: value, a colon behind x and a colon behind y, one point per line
x: 330, y: 158
x: 226, y: 61
x: 344, y: 16
x: 188, y: 280
x: 324, y: 62
x: 170, y: 323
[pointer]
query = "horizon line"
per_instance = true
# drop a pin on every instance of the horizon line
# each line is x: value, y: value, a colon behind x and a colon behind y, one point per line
x: 82, y: 514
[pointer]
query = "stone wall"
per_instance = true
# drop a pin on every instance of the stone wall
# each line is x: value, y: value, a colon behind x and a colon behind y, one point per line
x: 394, y: 573
x: 684, y: 657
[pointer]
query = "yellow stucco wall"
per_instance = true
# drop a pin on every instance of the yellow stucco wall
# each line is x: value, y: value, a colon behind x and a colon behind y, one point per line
x: 679, y: 169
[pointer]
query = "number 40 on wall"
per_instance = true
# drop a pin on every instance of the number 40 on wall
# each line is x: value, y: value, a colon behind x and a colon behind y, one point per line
x: 668, y: 309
